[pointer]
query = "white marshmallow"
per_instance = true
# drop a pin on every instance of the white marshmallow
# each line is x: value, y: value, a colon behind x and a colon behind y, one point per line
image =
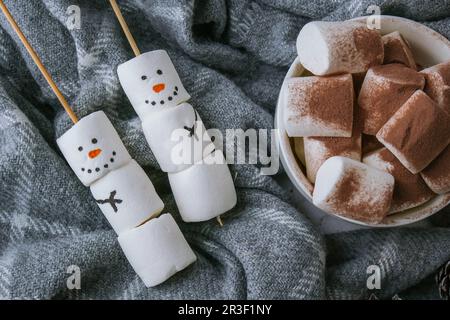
x: 151, y: 82
x: 93, y: 148
x: 354, y: 190
x: 127, y: 197
x: 177, y: 137
x: 205, y: 190
x: 339, y: 47
x: 156, y: 250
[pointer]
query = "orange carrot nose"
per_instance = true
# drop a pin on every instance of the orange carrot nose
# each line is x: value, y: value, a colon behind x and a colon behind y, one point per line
x: 159, y: 87
x: 94, y: 153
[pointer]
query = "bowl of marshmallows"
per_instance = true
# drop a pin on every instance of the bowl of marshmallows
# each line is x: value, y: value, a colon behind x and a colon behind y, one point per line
x: 363, y: 120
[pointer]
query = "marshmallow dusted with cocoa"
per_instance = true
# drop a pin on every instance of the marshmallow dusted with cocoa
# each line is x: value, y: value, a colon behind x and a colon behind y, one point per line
x: 156, y: 250
x: 353, y: 190
x: 127, y: 197
x: 93, y: 148
x: 438, y: 84
x: 410, y: 190
x: 417, y: 133
x: 318, y: 106
x: 397, y: 50
x: 319, y: 149
x: 326, y: 48
x: 151, y: 83
x: 385, y: 89
x: 437, y: 174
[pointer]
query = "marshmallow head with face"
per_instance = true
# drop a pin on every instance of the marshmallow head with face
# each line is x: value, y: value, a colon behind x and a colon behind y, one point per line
x: 151, y: 83
x: 93, y: 148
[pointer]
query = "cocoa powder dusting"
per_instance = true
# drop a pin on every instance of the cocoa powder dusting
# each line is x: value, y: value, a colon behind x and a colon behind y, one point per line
x: 370, y: 143
x: 385, y: 89
x: 327, y: 99
x: 353, y: 201
x: 394, y: 52
x: 438, y: 172
x: 410, y: 189
x: 419, y: 131
x: 369, y: 43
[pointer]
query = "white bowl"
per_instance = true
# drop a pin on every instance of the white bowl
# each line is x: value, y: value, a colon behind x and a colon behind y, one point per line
x: 429, y: 48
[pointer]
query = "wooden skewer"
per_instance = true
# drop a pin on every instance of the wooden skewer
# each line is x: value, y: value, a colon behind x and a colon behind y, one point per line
x: 39, y: 63
x: 219, y: 220
x: 125, y: 28
x: 134, y: 46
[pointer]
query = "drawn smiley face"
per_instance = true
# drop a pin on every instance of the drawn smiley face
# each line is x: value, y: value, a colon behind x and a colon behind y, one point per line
x: 151, y: 83
x: 93, y: 148
x: 160, y: 90
x: 93, y: 153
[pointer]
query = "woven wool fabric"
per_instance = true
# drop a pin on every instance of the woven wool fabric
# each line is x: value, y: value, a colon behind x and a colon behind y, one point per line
x: 232, y: 57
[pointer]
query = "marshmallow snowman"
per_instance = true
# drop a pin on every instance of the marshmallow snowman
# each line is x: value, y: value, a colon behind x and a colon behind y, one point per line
x: 127, y: 198
x: 93, y: 148
x: 151, y: 83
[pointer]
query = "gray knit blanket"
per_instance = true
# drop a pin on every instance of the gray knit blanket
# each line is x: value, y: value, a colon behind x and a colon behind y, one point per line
x: 232, y: 57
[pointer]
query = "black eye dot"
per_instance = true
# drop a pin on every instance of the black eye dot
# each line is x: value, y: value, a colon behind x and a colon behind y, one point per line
x: 146, y: 101
x: 82, y: 169
x: 144, y: 77
x: 161, y: 102
x: 112, y: 160
x: 175, y: 93
x: 89, y: 171
x: 153, y: 103
x: 169, y: 98
x: 213, y: 138
x: 106, y: 166
x: 114, y: 153
x: 80, y: 148
x: 176, y: 88
x: 159, y: 72
x: 97, y: 169
x: 94, y: 141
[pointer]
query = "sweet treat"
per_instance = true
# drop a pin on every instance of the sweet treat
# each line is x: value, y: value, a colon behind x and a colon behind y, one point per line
x: 385, y: 89
x: 370, y: 144
x: 438, y: 84
x: 93, y: 148
x: 319, y: 149
x: 353, y: 190
x: 326, y: 48
x: 205, y: 190
x: 151, y: 83
x: 417, y: 133
x: 397, y: 50
x: 177, y: 136
x: 319, y: 106
x: 410, y: 190
x: 176, y: 129
x: 127, y: 197
x: 437, y: 174
x: 156, y: 250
